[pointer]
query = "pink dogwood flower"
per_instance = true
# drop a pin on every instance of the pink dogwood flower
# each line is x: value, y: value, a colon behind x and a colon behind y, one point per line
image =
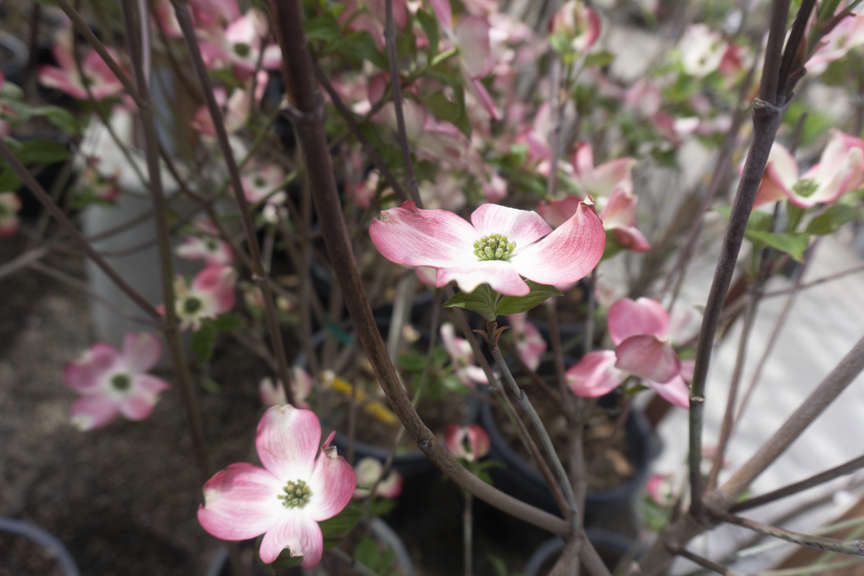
x: 470, y: 35
x: 462, y: 357
x: 66, y: 78
x: 499, y: 246
x: 206, y: 245
x: 659, y: 488
x: 111, y: 382
x: 210, y: 295
x: 840, y: 170
x: 236, y: 107
x: 9, y: 207
x: 369, y: 471
x: 530, y: 345
x: 272, y: 392
x: 470, y: 443
x: 847, y: 35
x: 298, y: 487
x: 639, y: 331
x: 578, y: 23
x: 240, y: 46
x: 702, y: 50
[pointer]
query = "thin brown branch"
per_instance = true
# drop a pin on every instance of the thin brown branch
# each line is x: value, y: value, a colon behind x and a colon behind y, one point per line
x: 300, y: 79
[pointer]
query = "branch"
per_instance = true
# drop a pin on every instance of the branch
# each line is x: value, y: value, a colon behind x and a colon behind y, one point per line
x: 828, y: 390
x: 300, y: 78
x: 800, y: 486
x: 259, y: 275
x: 851, y: 547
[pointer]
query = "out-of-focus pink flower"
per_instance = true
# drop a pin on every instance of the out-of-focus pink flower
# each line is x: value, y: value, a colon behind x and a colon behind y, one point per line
x: 846, y: 35
x: 702, y: 50
x: 66, y: 78
x: 210, y: 14
x: 619, y: 216
x: 840, y: 170
x: 9, y: 207
x: 495, y: 189
x: 578, y: 23
x: 260, y: 182
x: 370, y: 16
x: 471, y: 36
x: 166, y: 19
x: 499, y: 246
x: 6, y: 112
x: 638, y: 329
x: 462, y: 357
x: 111, y: 382
x: 240, y: 46
x: 736, y: 59
x: 210, y: 295
x: 235, y: 107
x: 104, y: 186
x: 206, y: 245
x: 659, y: 488
x: 369, y: 470
x: 297, y: 488
x: 599, y: 181
x: 530, y: 345
x: 272, y: 392
x: 469, y: 443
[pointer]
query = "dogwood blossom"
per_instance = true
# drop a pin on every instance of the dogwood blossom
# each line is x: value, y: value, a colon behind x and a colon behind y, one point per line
x: 66, y: 77
x: 639, y: 330
x: 272, y: 392
x: 469, y: 443
x: 462, y: 357
x: 111, y: 382
x: 578, y: 23
x: 530, y: 345
x: 9, y: 207
x: 369, y: 470
x: 499, y: 246
x: 210, y: 295
x: 206, y: 245
x: 840, y: 170
x: 298, y: 487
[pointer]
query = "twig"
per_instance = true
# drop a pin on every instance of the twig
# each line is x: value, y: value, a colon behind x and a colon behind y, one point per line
x: 355, y: 129
x: 828, y: 390
x: 851, y: 547
x: 704, y: 562
x: 816, y: 282
x: 800, y: 486
x: 45, y: 199
x: 138, y: 43
x: 396, y: 88
x: 258, y: 273
x: 300, y: 79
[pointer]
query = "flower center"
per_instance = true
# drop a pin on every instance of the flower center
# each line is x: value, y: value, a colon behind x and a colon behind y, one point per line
x: 121, y: 382
x: 191, y: 305
x: 242, y: 49
x: 211, y: 245
x: 494, y: 247
x: 296, y: 494
x: 260, y: 182
x: 805, y: 187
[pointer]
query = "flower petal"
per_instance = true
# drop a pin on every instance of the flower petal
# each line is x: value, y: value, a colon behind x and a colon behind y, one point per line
x: 472, y: 35
x: 240, y: 502
x: 217, y: 284
x: 299, y: 534
x: 332, y: 484
x: 288, y: 441
x: 631, y: 318
x: 414, y: 237
x: 675, y: 391
x: 556, y: 212
x: 85, y: 373
x: 648, y: 357
x: 499, y: 274
x: 520, y: 226
x: 91, y: 412
x: 566, y: 255
x: 595, y: 374
x: 141, y: 351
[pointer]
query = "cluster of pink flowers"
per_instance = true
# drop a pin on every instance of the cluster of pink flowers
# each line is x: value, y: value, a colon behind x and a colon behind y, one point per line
x: 640, y: 331
x: 66, y: 77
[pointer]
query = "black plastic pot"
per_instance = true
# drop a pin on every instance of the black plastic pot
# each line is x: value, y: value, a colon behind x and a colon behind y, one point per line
x: 610, y: 507
x: 611, y: 547
x: 54, y: 548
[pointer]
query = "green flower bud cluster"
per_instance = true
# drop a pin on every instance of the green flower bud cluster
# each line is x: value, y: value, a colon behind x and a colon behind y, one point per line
x: 494, y: 247
x: 296, y: 494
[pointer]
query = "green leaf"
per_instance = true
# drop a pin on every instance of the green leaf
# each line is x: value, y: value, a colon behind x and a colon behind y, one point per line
x: 599, y: 59
x: 368, y: 553
x: 515, y: 304
x: 429, y: 23
x: 8, y: 179
x: 210, y: 386
x: 832, y: 219
x: 41, y: 152
x: 793, y: 243
x: 336, y: 528
x: 482, y: 300
x: 204, y: 340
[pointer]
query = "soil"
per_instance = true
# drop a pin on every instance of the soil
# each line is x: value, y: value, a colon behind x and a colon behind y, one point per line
x: 606, y: 450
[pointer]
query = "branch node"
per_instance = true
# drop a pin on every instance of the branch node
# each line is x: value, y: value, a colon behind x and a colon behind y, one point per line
x: 305, y: 118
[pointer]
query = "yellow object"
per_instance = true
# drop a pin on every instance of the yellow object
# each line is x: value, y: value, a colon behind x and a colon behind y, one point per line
x: 373, y: 407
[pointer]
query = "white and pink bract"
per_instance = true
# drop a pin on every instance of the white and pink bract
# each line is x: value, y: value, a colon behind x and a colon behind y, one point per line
x: 299, y: 486
x: 469, y: 443
x: 210, y: 295
x: 112, y: 382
